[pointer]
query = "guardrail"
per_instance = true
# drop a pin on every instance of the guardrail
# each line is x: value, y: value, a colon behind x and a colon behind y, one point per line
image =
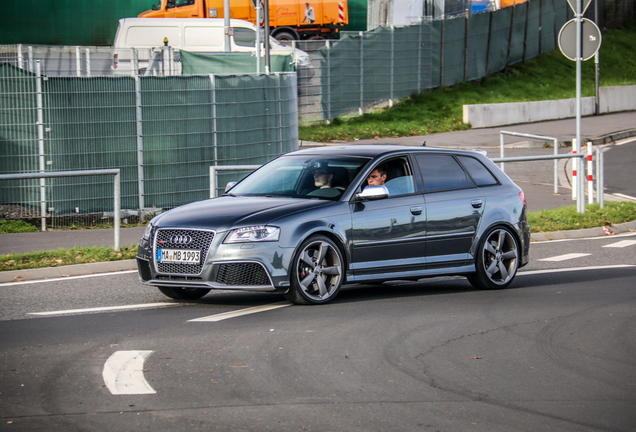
x: 58, y: 174
x: 555, y: 144
x: 578, y: 185
x: 214, y: 170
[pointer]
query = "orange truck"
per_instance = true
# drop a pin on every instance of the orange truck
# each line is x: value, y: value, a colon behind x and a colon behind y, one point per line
x: 288, y: 19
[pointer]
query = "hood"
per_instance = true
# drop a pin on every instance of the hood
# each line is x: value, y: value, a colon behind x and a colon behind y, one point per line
x: 224, y: 213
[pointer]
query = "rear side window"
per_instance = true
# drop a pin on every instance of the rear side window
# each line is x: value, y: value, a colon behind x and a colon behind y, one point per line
x: 477, y: 171
x: 442, y: 172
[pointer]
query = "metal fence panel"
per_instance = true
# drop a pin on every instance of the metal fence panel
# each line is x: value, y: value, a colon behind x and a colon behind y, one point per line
x: 162, y: 132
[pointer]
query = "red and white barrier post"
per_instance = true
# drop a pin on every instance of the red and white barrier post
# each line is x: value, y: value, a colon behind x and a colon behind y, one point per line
x: 575, y: 165
x: 590, y: 177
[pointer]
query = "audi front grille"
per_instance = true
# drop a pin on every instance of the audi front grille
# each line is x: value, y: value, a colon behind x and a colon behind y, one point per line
x: 182, y: 239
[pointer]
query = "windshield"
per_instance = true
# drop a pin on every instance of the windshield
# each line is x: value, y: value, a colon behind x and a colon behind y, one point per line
x: 321, y: 177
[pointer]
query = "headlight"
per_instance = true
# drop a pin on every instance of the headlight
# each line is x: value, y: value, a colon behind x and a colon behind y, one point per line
x: 147, y: 231
x: 253, y: 234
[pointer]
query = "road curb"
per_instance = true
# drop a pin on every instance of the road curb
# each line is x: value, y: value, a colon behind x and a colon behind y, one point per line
x: 584, y: 233
x: 66, y: 271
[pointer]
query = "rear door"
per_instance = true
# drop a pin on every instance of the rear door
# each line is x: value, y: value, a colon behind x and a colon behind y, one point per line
x: 454, y: 208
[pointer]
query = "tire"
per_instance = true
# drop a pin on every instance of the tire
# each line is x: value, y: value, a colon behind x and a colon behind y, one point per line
x: 497, y: 260
x: 184, y: 293
x: 285, y: 38
x: 316, y: 273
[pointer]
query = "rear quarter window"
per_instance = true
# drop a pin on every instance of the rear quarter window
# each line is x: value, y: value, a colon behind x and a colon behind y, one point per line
x: 479, y: 173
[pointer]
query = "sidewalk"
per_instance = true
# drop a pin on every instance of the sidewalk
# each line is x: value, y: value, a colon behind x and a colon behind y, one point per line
x: 535, y: 178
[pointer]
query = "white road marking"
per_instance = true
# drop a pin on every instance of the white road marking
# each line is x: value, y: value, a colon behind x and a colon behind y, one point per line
x: 105, y: 309
x: 571, y: 269
x: 67, y: 278
x: 621, y: 244
x: 565, y: 257
x: 625, y: 196
x: 124, y: 373
x: 241, y: 312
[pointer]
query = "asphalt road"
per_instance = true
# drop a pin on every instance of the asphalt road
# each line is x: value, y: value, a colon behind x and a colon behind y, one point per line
x: 556, y: 351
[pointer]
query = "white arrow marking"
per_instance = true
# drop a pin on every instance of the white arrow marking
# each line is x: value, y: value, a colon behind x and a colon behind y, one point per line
x: 241, y: 312
x: 124, y: 373
x: 565, y: 257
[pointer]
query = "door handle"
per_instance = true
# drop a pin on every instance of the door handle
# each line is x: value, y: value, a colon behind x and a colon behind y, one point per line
x: 416, y: 210
x: 476, y: 203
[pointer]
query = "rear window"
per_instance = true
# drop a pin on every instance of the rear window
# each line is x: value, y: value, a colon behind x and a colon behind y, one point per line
x: 480, y: 174
x: 442, y: 172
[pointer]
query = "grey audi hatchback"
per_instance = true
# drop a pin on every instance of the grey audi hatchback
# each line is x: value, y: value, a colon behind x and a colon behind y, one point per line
x: 312, y: 220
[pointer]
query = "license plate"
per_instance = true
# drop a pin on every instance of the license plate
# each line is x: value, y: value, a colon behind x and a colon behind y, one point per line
x: 179, y: 256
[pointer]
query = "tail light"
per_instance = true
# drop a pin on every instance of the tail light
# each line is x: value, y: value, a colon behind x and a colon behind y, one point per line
x: 115, y: 61
x: 522, y: 197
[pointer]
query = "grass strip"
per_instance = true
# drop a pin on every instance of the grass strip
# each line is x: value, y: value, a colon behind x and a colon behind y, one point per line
x: 547, y: 77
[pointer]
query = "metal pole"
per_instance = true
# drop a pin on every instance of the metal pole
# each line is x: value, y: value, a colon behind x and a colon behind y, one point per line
x: 259, y: 18
x: 596, y: 69
x: 600, y: 178
x: 392, y: 75
x: 580, y: 203
x: 40, y: 124
x: 328, y: 81
x: 88, y: 62
x: 556, y: 167
x: 226, y: 25
x: 78, y: 61
x: 214, y: 137
x: 117, y: 207
x: 501, y: 149
x: 266, y: 18
x: 140, y: 145
x: 361, y: 72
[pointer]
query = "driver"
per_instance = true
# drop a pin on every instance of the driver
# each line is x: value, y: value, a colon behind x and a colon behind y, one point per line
x: 377, y: 177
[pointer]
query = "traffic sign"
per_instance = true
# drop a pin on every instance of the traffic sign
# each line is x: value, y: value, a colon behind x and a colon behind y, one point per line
x: 584, y: 5
x: 590, y: 39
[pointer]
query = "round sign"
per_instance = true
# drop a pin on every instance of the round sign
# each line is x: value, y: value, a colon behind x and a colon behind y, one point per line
x: 590, y: 39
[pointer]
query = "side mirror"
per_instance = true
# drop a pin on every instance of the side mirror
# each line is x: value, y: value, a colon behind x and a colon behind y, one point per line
x: 229, y: 186
x: 373, y: 193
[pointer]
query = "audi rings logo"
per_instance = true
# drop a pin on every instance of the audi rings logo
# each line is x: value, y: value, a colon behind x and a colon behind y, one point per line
x: 181, y: 239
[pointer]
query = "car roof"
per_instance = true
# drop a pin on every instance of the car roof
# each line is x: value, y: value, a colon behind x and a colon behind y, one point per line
x: 373, y: 151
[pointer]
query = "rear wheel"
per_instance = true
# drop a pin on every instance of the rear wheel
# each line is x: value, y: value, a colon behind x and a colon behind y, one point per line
x: 184, y: 293
x: 285, y: 38
x: 317, y: 272
x: 497, y: 260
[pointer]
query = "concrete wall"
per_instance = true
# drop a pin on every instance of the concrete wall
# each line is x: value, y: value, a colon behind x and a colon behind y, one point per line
x: 612, y: 99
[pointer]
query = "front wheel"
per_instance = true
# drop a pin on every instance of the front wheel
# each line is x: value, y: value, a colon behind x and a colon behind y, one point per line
x: 497, y: 260
x: 184, y: 293
x: 316, y: 272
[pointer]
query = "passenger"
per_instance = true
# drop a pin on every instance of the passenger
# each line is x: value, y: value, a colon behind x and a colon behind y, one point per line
x: 377, y: 177
x: 323, y: 179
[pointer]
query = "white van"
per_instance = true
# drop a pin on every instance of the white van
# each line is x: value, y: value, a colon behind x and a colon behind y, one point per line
x: 139, y: 39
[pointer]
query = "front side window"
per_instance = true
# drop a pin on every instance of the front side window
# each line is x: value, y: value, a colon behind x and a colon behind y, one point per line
x: 442, y: 172
x: 395, y: 174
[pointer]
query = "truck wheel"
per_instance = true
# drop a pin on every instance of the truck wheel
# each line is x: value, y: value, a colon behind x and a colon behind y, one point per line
x: 285, y: 38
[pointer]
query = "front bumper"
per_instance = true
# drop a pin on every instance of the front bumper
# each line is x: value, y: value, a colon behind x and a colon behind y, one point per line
x: 241, y: 266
